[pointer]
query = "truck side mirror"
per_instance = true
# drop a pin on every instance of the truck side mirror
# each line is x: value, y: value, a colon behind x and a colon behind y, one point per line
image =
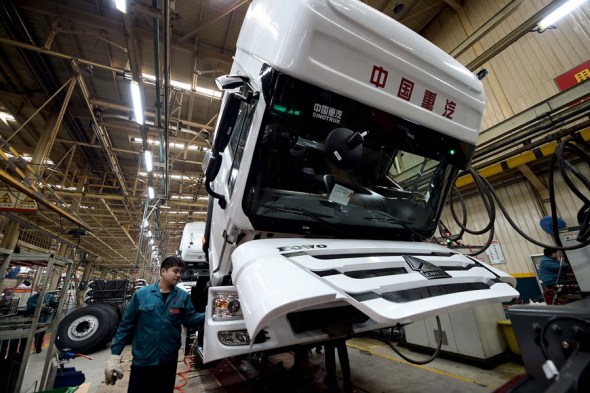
x: 213, y: 158
x: 227, y: 122
x: 229, y: 82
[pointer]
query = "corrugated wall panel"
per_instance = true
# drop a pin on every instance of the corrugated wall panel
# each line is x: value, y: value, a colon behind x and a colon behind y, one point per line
x: 525, y: 71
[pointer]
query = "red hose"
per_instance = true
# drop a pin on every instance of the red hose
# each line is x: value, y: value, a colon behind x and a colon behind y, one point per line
x: 181, y: 374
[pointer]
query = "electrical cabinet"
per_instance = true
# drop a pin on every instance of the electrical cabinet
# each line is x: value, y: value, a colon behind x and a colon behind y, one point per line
x: 473, y: 333
x: 577, y: 258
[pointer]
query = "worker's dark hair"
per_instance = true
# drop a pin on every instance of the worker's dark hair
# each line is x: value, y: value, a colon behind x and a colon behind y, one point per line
x: 548, y: 251
x: 172, y: 261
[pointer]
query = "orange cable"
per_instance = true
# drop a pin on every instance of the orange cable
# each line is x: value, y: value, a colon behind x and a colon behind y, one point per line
x: 181, y: 374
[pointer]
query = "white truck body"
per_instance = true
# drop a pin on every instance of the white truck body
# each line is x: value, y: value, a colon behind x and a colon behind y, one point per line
x: 191, y: 243
x: 191, y: 252
x: 304, y: 247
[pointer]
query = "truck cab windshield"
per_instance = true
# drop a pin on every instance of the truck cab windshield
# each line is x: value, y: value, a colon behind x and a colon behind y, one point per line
x: 396, y: 191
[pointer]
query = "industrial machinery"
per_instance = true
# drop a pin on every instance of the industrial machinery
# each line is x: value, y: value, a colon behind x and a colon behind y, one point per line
x: 340, y: 136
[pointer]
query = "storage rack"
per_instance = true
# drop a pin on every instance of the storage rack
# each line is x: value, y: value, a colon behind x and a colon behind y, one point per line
x: 26, y: 327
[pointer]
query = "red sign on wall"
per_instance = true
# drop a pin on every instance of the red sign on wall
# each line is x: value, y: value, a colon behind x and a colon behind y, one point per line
x: 574, y: 76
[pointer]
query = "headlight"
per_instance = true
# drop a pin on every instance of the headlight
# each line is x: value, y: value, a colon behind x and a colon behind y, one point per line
x: 226, y: 307
x: 234, y: 337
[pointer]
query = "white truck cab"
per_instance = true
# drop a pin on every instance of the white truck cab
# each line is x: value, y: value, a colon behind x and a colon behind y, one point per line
x: 191, y: 252
x: 340, y: 136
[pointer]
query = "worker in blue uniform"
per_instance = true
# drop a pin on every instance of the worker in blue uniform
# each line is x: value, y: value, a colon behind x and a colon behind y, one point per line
x: 152, y: 325
x: 549, y: 267
x: 549, y: 273
x: 48, y: 304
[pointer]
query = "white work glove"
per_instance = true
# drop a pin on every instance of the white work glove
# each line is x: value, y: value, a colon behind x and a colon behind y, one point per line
x: 113, y: 370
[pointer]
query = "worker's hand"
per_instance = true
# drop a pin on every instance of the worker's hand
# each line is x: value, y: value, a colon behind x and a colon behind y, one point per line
x: 113, y: 370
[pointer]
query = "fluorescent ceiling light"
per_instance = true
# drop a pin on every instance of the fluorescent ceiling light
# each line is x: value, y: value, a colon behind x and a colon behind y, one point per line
x: 173, y: 83
x: 6, y: 117
x: 148, y: 161
x: 173, y: 145
x: 208, y: 92
x: 151, y: 192
x: 180, y: 85
x: 149, y: 234
x: 186, y: 86
x: 64, y: 188
x: 559, y: 13
x: 137, y: 102
x: 173, y: 177
x: 28, y: 158
x: 121, y: 5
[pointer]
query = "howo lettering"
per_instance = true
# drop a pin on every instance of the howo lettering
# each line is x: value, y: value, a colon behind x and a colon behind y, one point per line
x: 303, y: 247
x: 340, y: 135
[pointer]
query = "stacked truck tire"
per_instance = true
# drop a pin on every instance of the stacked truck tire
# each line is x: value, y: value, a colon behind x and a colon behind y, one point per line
x: 90, y: 328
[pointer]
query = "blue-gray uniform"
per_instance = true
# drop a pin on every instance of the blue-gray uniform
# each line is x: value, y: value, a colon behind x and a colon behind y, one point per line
x: 152, y: 325
x: 47, y: 299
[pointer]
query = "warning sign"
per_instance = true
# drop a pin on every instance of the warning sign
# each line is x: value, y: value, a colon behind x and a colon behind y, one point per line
x: 15, y: 201
x: 26, y: 204
x: 6, y: 201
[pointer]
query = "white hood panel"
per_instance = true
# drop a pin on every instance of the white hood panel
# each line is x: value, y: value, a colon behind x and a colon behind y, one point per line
x: 269, y: 290
x: 275, y: 277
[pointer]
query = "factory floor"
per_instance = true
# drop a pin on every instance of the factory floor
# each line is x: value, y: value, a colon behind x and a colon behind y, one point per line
x: 374, y: 368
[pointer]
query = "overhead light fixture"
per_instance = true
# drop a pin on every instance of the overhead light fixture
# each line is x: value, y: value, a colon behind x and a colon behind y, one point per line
x: 6, y: 117
x: 559, y: 13
x: 121, y: 5
x: 187, y: 87
x: 151, y: 192
x: 208, y: 92
x: 148, y: 160
x: 137, y: 102
x: 149, y: 234
x: 171, y: 145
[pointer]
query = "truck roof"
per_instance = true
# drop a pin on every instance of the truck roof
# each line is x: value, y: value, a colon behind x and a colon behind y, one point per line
x: 352, y: 49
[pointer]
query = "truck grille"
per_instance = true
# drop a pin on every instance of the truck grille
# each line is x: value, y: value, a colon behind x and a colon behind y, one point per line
x: 409, y: 295
x: 376, y: 272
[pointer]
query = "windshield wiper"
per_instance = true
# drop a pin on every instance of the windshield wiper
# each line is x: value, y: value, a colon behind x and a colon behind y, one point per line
x: 392, y: 219
x: 300, y: 212
x: 318, y: 217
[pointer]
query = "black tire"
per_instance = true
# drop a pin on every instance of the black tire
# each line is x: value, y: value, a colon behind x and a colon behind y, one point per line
x: 114, y: 320
x: 110, y: 308
x: 121, y: 309
x: 84, y: 330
